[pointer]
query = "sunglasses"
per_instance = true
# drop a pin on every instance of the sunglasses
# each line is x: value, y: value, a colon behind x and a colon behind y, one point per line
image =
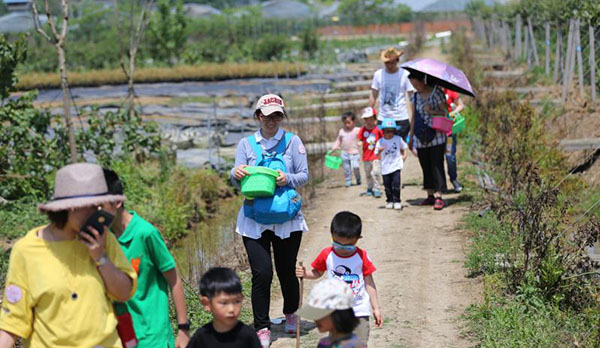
x: 274, y: 117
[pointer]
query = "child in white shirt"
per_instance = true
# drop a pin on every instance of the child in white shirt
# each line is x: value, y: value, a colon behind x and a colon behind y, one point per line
x: 393, y: 154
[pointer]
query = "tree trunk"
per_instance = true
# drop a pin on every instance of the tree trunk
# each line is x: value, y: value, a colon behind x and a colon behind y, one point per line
x: 64, y: 83
x: 558, y: 55
x: 593, y: 63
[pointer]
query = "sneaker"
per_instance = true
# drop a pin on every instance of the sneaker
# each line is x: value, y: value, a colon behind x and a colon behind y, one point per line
x: 457, y: 186
x: 430, y: 200
x: 439, y: 204
x: 264, y: 337
x: 376, y: 193
x: 348, y: 183
x: 390, y: 205
x: 369, y: 192
x: 290, y: 323
x: 398, y: 206
x: 358, y: 182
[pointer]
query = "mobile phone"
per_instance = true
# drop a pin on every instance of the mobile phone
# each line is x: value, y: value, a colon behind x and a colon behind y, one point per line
x: 98, y: 220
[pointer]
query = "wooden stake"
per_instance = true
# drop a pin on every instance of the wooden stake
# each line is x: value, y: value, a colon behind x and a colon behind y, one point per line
x: 579, y: 56
x: 299, y: 306
x: 547, y: 42
x: 518, y: 41
x: 532, y: 42
x: 593, y: 62
x: 566, y: 76
x: 557, y: 56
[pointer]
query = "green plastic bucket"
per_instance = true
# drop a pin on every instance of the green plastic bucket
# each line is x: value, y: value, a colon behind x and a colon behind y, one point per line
x: 459, y: 124
x: 331, y: 161
x: 260, y: 182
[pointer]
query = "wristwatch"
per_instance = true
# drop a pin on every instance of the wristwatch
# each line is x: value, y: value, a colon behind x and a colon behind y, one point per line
x: 184, y: 327
x: 101, y: 261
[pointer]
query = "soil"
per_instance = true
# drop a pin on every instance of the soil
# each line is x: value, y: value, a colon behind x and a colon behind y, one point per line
x: 419, y: 254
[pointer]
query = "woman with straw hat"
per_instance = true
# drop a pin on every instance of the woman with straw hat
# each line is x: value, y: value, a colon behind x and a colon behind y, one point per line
x: 390, y: 84
x: 61, y: 281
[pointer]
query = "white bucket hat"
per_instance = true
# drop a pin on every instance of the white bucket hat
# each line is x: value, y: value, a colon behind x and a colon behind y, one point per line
x: 269, y: 103
x: 326, y: 297
x: 79, y: 185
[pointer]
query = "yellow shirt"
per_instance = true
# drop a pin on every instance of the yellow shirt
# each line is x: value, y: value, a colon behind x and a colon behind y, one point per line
x: 55, y: 295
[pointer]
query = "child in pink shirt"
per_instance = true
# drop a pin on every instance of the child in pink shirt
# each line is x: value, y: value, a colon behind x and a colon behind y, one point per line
x: 347, y: 140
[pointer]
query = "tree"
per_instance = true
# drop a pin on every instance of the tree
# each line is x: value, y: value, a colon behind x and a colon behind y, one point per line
x: 58, y: 39
x: 167, y: 33
x: 136, y: 32
x: 10, y: 57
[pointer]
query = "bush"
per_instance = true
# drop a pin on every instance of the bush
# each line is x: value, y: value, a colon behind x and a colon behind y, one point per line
x: 272, y: 47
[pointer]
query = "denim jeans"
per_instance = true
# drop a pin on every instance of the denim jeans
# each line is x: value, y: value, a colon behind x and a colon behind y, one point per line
x: 451, y: 159
x: 351, y: 163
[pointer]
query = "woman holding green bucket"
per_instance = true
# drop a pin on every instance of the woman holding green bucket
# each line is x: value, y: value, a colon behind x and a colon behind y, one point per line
x: 283, y: 237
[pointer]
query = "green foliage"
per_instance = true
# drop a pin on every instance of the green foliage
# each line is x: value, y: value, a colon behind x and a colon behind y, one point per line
x: 362, y: 12
x: 272, y: 47
x: 171, y: 197
x: 167, y: 33
x: 10, y: 56
x: 527, y: 321
x: 33, y: 143
x: 310, y: 41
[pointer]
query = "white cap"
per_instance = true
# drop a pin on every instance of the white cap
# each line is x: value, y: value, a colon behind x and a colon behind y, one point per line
x: 269, y: 103
x: 326, y: 297
x: 368, y: 112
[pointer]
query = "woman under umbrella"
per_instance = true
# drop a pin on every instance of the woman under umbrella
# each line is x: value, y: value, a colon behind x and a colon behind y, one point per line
x: 429, y: 101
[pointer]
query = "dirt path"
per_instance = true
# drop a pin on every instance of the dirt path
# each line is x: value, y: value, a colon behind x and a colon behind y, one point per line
x: 419, y: 254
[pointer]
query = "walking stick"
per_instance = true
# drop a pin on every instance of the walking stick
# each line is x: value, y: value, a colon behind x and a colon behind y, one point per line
x: 299, y: 306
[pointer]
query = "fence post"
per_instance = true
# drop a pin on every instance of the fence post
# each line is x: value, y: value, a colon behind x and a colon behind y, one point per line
x: 558, y: 55
x: 509, y: 46
x: 592, y: 62
x: 518, y: 41
x: 533, y: 42
x: 526, y: 46
x: 567, y: 69
x: 579, y: 56
x: 547, y: 42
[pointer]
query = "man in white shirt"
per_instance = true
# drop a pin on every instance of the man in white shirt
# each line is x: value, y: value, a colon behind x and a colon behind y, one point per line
x: 394, y: 90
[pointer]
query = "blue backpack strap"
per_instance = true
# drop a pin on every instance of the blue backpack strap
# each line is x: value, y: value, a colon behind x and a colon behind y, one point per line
x: 258, y: 150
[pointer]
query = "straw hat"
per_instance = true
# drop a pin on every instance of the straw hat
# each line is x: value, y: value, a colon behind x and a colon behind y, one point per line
x: 79, y: 185
x: 326, y: 297
x: 390, y: 54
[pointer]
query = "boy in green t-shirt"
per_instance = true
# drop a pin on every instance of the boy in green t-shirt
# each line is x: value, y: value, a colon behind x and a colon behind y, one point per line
x: 145, y: 248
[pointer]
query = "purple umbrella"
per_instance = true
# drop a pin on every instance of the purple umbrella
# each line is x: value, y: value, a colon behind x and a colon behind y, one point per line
x: 445, y: 75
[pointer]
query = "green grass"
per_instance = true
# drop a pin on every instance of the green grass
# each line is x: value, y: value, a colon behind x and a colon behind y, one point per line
x: 18, y: 217
x: 175, y: 101
x: 516, y: 323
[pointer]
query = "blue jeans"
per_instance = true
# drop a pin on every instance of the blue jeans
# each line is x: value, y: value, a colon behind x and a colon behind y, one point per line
x: 351, y: 163
x: 451, y: 159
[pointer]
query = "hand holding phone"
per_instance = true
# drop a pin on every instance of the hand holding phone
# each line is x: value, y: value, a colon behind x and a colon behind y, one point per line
x: 92, y: 233
x: 98, y: 220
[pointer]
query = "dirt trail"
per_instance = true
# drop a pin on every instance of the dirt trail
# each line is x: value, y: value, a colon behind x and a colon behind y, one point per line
x: 419, y: 254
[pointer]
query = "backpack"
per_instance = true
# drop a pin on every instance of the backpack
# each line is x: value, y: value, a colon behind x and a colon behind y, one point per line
x: 423, y: 132
x: 285, y: 204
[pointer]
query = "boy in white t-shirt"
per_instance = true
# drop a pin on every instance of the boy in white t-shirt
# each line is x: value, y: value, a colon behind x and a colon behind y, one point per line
x: 345, y: 261
x: 393, y: 154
